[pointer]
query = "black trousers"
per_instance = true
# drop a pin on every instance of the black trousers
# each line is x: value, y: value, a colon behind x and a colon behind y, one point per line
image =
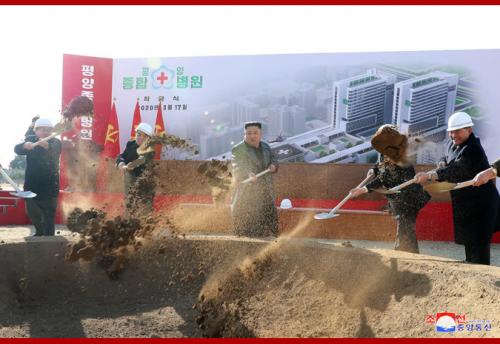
x: 478, y: 253
x: 42, y: 212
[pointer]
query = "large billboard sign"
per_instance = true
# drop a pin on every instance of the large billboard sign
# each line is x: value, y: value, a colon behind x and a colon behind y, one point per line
x: 316, y: 108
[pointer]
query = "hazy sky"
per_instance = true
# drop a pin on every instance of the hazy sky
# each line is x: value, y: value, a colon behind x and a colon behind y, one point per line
x: 34, y: 38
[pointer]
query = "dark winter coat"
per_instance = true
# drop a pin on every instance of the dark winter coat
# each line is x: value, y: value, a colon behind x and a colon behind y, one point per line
x: 388, y: 175
x: 253, y: 209
x: 474, y: 208
x: 42, y: 167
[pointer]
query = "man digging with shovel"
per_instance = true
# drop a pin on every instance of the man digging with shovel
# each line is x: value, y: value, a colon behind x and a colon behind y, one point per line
x: 392, y: 170
x: 139, y: 188
x: 253, y: 211
x: 474, y: 208
x: 41, y: 176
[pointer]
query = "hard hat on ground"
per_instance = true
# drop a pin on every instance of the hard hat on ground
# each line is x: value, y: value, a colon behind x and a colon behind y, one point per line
x: 286, y: 204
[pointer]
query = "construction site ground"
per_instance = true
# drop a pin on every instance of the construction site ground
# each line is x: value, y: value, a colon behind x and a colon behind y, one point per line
x: 223, y: 286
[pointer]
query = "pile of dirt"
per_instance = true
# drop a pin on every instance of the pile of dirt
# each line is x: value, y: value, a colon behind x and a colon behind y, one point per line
x: 294, y: 291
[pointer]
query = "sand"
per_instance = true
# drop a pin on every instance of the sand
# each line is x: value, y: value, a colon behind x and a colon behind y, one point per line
x: 223, y: 286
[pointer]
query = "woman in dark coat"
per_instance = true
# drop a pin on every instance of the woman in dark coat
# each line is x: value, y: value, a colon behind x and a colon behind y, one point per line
x: 393, y: 170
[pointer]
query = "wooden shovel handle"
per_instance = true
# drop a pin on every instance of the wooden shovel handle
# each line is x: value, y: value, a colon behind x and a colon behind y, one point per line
x: 51, y: 136
x: 360, y: 185
x: 248, y: 180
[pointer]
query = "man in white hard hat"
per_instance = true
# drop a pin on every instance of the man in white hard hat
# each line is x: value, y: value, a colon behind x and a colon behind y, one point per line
x: 474, y: 209
x: 139, y: 198
x: 41, y: 176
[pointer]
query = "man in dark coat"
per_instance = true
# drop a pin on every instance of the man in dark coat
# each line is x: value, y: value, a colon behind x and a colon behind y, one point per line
x: 484, y: 177
x: 41, y: 176
x: 253, y: 210
x: 138, y: 179
x: 474, y: 208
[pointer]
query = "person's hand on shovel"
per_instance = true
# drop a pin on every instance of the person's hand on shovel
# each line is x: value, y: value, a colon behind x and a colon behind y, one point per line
x: 426, y: 177
x: 356, y: 192
x: 272, y: 168
x: 122, y: 166
x: 485, y: 176
x: 252, y: 176
x: 44, y: 144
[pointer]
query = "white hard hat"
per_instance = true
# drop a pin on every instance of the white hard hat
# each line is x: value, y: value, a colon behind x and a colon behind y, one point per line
x: 459, y: 120
x: 43, y: 122
x: 145, y: 128
x: 286, y: 204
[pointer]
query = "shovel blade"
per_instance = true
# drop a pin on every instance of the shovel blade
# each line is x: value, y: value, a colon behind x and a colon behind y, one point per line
x: 24, y: 194
x: 439, y: 187
x: 325, y: 216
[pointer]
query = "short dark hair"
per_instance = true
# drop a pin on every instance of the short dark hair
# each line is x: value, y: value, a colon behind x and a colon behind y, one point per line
x: 253, y: 124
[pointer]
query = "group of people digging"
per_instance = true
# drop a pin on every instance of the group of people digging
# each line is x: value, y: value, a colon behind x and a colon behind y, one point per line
x: 474, y: 208
x: 253, y: 164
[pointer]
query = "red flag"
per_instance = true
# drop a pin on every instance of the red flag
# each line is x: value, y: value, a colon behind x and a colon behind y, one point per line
x: 136, y: 120
x: 159, y: 128
x: 110, y: 150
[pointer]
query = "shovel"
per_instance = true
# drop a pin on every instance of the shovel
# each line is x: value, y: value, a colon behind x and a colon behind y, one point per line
x: 136, y: 163
x: 446, y: 186
x: 385, y: 191
x: 407, y: 183
x: 260, y: 174
x: 403, y: 185
x: 333, y: 212
x: 58, y: 129
x: 19, y: 193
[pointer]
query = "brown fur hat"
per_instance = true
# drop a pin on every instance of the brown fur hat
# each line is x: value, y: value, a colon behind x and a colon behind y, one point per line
x: 390, y: 142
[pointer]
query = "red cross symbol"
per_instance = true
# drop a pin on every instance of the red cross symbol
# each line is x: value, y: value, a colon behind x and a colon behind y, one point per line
x: 162, y: 78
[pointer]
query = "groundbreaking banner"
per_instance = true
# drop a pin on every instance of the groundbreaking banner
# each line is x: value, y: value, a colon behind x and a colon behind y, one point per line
x: 316, y: 108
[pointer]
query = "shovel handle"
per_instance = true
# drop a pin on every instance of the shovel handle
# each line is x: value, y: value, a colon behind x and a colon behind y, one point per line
x: 9, y: 180
x: 464, y: 184
x: 348, y: 197
x: 51, y: 136
x: 403, y: 185
x: 248, y: 180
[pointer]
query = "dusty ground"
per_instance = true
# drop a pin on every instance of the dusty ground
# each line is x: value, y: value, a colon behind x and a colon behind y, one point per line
x: 431, y: 248
x: 274, y: 288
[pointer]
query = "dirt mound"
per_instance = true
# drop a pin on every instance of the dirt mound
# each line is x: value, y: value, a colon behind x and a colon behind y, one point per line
x: 41, y: 295
x: 299, y: 291
x: 240, y: 288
